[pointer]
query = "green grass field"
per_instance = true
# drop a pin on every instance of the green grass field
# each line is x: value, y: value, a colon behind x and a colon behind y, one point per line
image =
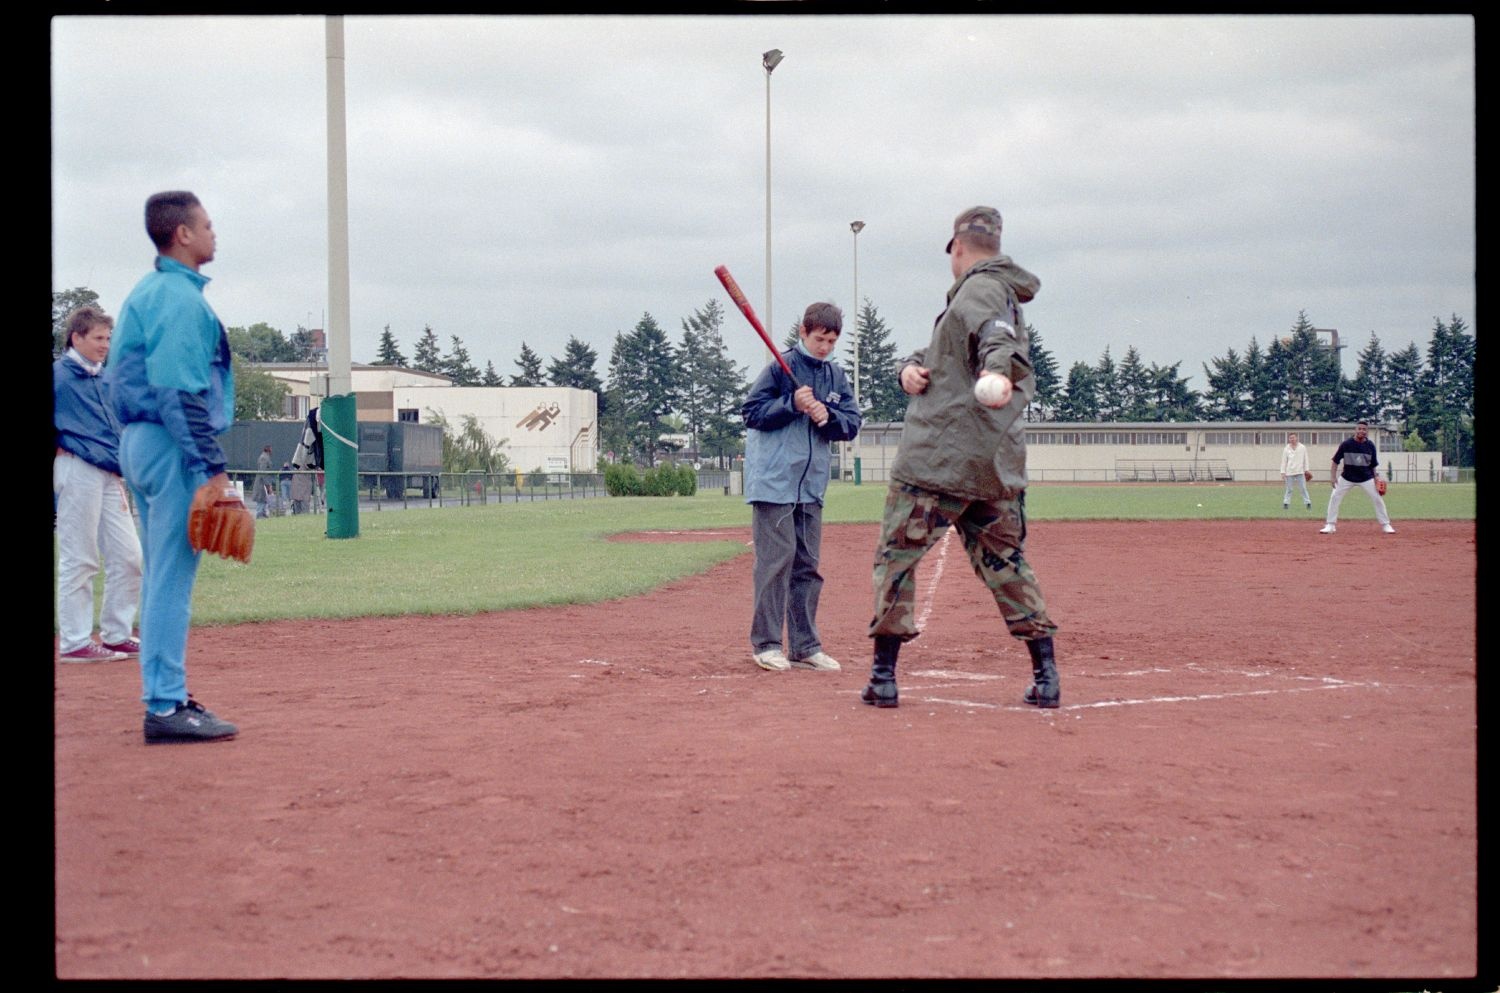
x: 459, y: 560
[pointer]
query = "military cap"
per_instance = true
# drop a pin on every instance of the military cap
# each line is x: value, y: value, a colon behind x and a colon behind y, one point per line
x: 976, y: 220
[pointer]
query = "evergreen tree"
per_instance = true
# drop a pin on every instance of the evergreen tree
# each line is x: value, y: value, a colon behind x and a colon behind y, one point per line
x: 530, y: 364
x: 1313, y: 382
x: 1137, y: 388
x: 1044, y: 374
x: 456, y: 364
x: 793, y: 335
x: 1445, y: 394
x: 1225, y: 399
x: 389, y: 352
x: 642, y: 389
x: 1403, y: 375
x: 491, y: 377
x: 1108, y: 403
x: 576, y: 367
x: 1261, y: 387
x: 1171, y: 397
x: 426, y: 356
x: 712, y: 386
x: 1367, y: 394
x: 1079, y: 401
x: 880, y: 394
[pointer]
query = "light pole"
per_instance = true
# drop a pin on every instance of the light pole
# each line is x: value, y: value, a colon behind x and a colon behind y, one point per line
x: 856, y: 227
x: 770, y: 60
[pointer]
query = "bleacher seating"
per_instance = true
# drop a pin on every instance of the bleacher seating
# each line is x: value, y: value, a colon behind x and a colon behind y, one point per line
x: 1173, y: 471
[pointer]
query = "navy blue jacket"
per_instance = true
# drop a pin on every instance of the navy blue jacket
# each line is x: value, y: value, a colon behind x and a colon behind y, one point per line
x: 82, y: 418
x: 787, y: 456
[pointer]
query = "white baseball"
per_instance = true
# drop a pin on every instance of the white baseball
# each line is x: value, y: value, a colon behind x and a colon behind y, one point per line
x: 993, y: 390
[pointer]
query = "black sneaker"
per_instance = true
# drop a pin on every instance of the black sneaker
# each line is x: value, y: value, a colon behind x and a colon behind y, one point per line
x: 189, y: 722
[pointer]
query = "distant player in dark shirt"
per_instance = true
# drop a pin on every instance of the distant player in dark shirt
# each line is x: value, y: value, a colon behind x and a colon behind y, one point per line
x: 1362, y: 469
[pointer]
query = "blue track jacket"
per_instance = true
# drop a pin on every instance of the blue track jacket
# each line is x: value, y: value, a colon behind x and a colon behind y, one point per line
x: 169, y: 363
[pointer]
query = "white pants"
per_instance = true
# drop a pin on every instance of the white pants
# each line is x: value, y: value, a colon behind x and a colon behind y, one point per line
x: 93, y: 516
x: 1344, y: 486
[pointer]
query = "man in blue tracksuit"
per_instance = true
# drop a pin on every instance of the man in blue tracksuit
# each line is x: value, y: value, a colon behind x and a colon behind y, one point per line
x: 790, y: 426
x: 173, y: 392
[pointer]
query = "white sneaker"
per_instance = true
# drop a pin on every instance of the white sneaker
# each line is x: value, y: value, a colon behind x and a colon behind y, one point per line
x: 1327, y: 529
x: 820, y: 661
x: 773, y: 659
x: 1387, y: 529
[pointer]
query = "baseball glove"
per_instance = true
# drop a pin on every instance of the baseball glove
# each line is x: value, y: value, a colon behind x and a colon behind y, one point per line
x: 219, y: 522
x: 1380, y: 486
x: 1307, y: 475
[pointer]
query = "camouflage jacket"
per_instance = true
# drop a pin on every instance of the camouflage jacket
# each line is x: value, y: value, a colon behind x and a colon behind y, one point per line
x: 950, y: 443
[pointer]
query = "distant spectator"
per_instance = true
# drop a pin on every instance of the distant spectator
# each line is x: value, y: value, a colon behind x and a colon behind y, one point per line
x: 301, y: 492
x: 262, y: 481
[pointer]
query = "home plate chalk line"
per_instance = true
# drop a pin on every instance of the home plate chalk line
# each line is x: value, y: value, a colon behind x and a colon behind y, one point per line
x: 913, y: 693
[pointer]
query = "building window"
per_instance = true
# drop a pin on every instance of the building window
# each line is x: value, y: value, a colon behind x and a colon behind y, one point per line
x: 407, y: 415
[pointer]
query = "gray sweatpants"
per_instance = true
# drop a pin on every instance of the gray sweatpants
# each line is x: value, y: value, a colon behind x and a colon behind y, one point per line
x: 787, y: 540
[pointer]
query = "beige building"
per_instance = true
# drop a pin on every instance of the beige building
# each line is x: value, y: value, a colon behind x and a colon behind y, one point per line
x: 547, y: 428
x: 1207, y: 451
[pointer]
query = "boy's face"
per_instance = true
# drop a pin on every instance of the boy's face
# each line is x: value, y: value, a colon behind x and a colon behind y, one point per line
x: 94, y: 344
x: 819, y: 341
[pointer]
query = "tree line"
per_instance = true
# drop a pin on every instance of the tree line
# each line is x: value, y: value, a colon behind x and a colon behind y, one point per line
x: 1296, y: 377
x: 657, y: 391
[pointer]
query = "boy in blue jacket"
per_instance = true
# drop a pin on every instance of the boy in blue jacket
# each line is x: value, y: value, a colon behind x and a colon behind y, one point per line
x: 790, y: 425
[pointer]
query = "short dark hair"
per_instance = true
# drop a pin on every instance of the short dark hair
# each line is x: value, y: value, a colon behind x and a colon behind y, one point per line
x: 823, y: 315
x: 82, y: 320
x: 988, y: 244
x: 165, y: 212
x: 1362, y: 423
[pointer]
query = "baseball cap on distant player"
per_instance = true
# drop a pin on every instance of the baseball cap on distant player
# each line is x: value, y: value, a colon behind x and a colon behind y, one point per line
x: 975, y: 220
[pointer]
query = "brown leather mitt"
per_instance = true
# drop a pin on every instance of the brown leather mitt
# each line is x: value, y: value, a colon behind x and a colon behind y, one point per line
x: 1307, y: 475
x: 1380, y: 486
x: 219, y: 522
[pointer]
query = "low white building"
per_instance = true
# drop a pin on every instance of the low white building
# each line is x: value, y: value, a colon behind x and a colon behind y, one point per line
x: 546, y: 428
x: 1241, y: 451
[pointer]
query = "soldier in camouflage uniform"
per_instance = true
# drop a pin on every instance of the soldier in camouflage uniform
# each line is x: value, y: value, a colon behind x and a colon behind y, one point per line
x: 964, y: 464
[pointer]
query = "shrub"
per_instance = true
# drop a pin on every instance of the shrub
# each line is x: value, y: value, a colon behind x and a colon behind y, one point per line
x: 663, y: 480
x: 622, y: 480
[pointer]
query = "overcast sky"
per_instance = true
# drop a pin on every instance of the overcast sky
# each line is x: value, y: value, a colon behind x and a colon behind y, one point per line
x: 1179, y: 184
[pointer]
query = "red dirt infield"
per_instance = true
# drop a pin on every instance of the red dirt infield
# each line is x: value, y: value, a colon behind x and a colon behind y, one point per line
x: 1264, y: 767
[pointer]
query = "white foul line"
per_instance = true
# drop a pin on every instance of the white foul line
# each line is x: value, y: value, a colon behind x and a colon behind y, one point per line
x: 1155, y: 699
x: 937, y: 574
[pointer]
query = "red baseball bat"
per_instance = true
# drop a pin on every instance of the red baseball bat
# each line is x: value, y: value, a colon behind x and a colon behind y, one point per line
x: 738, y: 296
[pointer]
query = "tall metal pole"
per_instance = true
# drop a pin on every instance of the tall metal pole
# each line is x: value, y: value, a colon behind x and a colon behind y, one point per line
x: 770, y: 60
x: 338, y: 410
x: 856, y: 227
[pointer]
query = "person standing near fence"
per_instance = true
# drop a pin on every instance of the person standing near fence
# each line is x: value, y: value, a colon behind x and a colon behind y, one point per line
x: 1294, y: 468
x: 1362, y: 469
x: 172, y: 386
x: 262, y: 482
x: 93, y: 511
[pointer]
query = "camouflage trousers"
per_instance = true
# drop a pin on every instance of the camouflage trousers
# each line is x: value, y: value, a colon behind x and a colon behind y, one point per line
x: 993, y: 533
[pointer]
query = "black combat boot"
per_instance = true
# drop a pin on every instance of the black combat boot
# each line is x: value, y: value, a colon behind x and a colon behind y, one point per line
x: 1044, y: 690
x: 882, y: 689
